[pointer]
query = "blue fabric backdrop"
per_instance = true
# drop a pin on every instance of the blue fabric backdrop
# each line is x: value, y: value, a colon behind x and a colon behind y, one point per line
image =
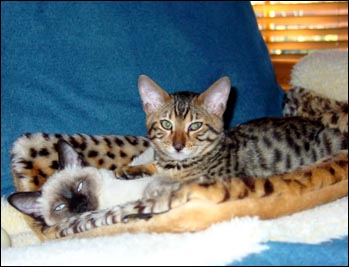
x: 72, y: 67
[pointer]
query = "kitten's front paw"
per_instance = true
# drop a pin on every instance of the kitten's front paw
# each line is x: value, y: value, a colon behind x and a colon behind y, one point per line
x: 94, y: 219
x: 144, y: 209
x: 133, y: 172
x: 161, y: 188
x: 164, y: 195
x: 89, y: 220
x: 124, y: 175
x: 160, y: 196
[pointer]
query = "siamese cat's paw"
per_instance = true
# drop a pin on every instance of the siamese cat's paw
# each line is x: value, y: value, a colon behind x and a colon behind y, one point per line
x: 162, y: 195
x: 89, y: 220
x: 161, y: 187
x: 159, y: 196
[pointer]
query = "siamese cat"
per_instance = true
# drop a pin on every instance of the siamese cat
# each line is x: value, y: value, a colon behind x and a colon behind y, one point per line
x: 76, y: 188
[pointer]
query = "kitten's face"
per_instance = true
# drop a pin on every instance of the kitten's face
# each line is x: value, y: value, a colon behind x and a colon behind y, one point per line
x: 72, y: 190
x: 183, y: 125
x: 68, y: 193
x: 182, y: 133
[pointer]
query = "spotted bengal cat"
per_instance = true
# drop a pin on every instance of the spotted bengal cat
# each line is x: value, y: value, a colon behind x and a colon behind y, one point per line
x: 186, y: 131
x: 212, y: 169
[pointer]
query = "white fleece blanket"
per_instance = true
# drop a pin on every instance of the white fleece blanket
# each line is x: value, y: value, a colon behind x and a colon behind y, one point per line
x: 220, y: 244
x: 324, y: 72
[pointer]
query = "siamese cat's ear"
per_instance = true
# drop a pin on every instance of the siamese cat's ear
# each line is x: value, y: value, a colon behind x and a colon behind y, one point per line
x: 152, y: 95
x: 27, y: 203
x: 67, y: 156
x: 215, y: 98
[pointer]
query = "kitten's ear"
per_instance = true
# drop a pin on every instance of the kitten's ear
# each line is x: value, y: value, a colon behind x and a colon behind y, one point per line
x: 215, y: 98
x: 67, y: 156
x: 153, y: 97
x: 26, y: 202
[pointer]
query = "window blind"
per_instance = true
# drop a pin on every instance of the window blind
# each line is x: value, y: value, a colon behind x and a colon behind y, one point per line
x: 292, y: 29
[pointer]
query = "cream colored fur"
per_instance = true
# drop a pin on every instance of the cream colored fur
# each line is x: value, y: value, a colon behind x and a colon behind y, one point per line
x: 324, y: 72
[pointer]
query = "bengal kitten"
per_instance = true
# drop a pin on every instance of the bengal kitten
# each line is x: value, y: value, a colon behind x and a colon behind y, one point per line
x: 187, y: 134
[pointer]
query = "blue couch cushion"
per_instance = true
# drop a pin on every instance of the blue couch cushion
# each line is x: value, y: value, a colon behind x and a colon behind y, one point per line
x: 70, y: 67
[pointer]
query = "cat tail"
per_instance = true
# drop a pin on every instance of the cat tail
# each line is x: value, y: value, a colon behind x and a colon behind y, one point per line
x: 309, y: 104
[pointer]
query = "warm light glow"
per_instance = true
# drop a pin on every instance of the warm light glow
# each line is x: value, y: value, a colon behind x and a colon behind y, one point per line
x: 312, y: 24
x: 331, y: 37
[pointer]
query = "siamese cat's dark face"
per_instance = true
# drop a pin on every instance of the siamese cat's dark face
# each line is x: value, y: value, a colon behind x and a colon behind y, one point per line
x: 71, y: 190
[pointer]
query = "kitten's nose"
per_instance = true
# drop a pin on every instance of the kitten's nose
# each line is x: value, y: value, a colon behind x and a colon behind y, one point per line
x: 79, y: 203
x: 178, y: 146
x: 82, y: 207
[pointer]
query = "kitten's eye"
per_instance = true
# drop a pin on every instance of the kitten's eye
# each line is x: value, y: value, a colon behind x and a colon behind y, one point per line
x: 59, y: 207
x: 195, y: 126
x: 167, y: 125
x: 78, y: 189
